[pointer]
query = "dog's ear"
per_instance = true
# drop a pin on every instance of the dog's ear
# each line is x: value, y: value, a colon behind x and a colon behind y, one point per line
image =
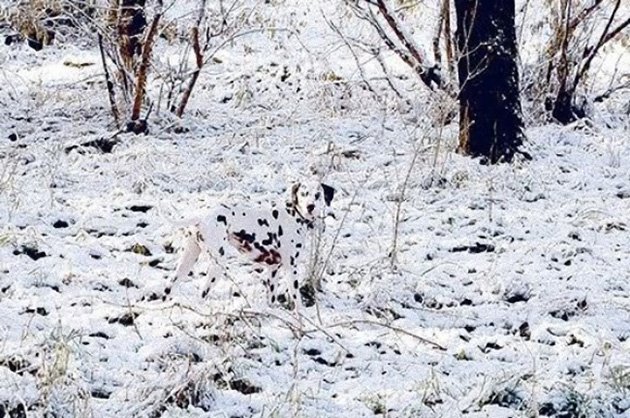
x: 294, y: 190
x: 329, y: 192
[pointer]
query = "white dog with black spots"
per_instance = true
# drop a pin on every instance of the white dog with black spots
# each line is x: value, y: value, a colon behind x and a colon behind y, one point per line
x: 274, y: 238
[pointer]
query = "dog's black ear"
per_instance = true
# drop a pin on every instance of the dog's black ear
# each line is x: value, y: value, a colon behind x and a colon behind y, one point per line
x: 329, y: 192
x: 294, y: 190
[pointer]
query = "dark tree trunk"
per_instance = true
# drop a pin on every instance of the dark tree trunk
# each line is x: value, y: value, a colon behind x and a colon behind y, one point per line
x: 490, y: 124
x: 131, y: 25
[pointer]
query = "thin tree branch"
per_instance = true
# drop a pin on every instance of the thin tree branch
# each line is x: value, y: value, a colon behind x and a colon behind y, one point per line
x: 602, y: 40
x: 108, y: 82
x: 198, y: 59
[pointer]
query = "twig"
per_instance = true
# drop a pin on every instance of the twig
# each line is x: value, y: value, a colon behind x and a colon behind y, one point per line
x: 198, y: 59
x: 403, y: 189
x: 321, y: 271
x: 353, y: 53
x: 110, y: 85
x: 393, y: 328
x: 606, y: 36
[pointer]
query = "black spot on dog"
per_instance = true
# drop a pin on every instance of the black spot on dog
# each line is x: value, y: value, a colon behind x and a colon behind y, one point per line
x: 274, y: 213
x: 329, y: 193
x: 270, y: 239
x: 280, y: 232
x: 221, y: 251
x: 244, y: 236
x: 263, y: 222
x: 298, y: 245
x: 295, y: 284
x: 222, y: 219
x: 291, y: 261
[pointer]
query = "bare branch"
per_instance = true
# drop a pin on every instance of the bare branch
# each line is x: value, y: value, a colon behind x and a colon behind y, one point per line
x: 198, y: 60
x: 110, y: 85
x: 606, y: 36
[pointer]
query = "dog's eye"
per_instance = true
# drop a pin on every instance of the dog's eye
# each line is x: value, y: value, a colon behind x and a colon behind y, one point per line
x: 317, y: 196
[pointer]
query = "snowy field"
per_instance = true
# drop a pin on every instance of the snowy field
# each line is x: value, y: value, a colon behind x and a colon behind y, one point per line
x: 509, y: 294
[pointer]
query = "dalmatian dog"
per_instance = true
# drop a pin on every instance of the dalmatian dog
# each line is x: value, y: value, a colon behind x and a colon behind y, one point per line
x: 274, y: 238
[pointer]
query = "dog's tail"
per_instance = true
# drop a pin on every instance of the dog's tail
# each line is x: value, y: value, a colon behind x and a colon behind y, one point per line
x: 168, y: 211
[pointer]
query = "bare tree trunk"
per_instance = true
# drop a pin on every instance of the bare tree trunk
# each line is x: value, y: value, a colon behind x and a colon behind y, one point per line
x: 450, y: 55
x: 491, y: 123
x: 141, y: 77
x: 131, y: 22
x: 443, y: 29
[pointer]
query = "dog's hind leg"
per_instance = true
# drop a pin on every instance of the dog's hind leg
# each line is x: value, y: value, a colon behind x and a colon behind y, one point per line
x: 213, y: 274
x: 189, y: 258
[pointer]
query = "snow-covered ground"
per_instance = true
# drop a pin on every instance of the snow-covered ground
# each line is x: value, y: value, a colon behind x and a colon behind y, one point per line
x: 509, y: 295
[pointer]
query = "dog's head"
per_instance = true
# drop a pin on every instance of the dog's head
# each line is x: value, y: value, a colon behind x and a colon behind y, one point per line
x: 310, y: 199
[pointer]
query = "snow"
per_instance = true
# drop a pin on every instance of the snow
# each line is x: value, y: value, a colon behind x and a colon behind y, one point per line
x: 520, y: 272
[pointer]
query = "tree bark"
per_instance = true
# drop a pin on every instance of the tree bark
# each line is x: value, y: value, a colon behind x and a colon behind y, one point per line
x: 491, y: 124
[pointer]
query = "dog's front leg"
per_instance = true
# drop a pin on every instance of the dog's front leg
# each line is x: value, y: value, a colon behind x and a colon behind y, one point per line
x: 213, y: 273
x: 272, y: 285
x: 294, y: 291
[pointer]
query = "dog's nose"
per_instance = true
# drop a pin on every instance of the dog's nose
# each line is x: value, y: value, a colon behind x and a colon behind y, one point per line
x: 310, y: 208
